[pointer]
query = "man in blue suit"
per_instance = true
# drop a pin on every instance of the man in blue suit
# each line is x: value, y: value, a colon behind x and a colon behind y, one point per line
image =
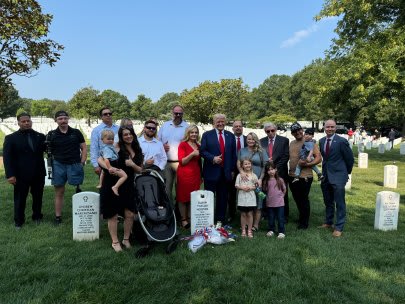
x: 218, y: 148
x: 337, y: 164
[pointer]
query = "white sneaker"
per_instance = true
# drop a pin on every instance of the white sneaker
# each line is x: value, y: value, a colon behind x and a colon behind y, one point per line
x: 270, y: 234
x: 281, y: 236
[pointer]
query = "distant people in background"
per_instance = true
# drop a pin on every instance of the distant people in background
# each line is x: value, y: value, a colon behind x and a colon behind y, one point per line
x: 275, y: 189
x: 357, y: 136
x: 240, y: 140
x: 171, y: 134
x: 23, y: 157
x: 350, y: 133
x: 153, y: 151
x: 188, y: 172
x: 307, y: 154
x: 218, y: 148
x: 391, y: 137
x: 106, y: 116
x: 363, y: 134
x: 337, y: 164
x: 246, y: 183
x: 376, y: 134
x: 130, y: 161
x: 258, y: 157
x: 110, y: 157
x: 69, y: 152
x: 301, y: 188
x: 277, y: 149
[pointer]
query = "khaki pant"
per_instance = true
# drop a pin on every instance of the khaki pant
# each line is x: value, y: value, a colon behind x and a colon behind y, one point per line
x: 170, y: 174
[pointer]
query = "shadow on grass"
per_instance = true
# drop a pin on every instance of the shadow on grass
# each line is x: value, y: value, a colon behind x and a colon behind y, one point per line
x: 379, y: 184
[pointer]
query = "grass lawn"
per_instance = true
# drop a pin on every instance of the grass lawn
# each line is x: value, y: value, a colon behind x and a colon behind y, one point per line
x: 42, y: 264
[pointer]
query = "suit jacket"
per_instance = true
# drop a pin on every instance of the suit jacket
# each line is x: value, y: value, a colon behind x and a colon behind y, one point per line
x: 210, y: 148
x: 281, y: 153
x: 339, y: 163
x: 20, y: 160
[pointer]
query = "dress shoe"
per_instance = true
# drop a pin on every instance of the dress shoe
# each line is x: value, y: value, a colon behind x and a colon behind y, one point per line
x: 337, y: 233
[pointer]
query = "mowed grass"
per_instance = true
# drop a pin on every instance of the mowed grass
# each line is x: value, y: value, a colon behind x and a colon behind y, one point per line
x: 42, y: 264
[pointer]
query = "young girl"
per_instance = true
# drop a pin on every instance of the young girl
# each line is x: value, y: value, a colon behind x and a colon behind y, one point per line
x: 109, y: 155
x: 275, y: 188
x: 246, y: 196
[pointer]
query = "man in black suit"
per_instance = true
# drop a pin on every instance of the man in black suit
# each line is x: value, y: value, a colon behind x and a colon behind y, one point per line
x: 24, y: 164
x: 240, y: 140
x: 277, y: 148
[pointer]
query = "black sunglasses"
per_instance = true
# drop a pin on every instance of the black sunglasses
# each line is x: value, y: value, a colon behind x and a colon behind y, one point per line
x: 107, y: 114
x: 178, y: 113
x: 150, y: 128
x: 272, y: 131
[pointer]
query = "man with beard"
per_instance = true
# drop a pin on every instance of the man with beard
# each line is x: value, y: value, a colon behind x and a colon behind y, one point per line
x: 24, y: 166
x: 69, y: 152
x: 154, y: 154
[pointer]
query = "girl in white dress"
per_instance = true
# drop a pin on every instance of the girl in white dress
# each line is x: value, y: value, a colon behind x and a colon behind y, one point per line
x: 246, y: 186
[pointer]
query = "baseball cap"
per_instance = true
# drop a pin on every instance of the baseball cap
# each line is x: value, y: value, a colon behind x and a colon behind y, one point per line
x: 61, y: 113
x: 295, y: 127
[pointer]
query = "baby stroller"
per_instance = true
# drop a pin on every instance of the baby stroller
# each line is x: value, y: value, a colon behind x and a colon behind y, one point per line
x: 155, y: 213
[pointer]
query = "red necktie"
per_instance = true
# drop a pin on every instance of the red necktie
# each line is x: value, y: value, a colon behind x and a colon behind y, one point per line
x: 222, y: 147
x: 327, y: 148
x: 271, y: 148
x: 238, y: 145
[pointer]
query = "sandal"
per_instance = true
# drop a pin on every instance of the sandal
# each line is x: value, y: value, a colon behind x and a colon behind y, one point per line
x: 116, y: 246
x: 250, y: 234
x: 126, y: 243
x: 185, y: 224
x: 243, y: 233
x: 255, y: 229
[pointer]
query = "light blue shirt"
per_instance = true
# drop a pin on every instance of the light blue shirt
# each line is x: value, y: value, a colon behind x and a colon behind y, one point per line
x: 153, y: 149
x: 96, y: 142
x: 171, y: 134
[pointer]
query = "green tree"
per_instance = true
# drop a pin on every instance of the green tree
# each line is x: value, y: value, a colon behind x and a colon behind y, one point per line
x: 9, y: 100
x: 165, y: 104
x: 143, y: 108
x: 47, y: 107
x: 228, y: 96
x: 85, y: 104
x: 119, y: 103
x: 24, y: 45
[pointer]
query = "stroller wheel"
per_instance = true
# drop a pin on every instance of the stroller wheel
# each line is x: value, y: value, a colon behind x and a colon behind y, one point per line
x: 143, y: 252
x: 172, y: 246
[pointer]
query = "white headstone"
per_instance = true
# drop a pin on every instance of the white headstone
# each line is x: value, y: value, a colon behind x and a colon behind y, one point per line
x: 375, y: 144
x: 402, y: 149
x: 363, y: 160
x: 388, y: 145
x: 386, y: 211
x: 348, y: 185
x: 390, y: 176
x: 361, y: 147
x: 202, y: 209
x: 48, y: 181
x: 86, y: 216
x: 381, y: 148
x: 351, y: 143
x: 368, y: 145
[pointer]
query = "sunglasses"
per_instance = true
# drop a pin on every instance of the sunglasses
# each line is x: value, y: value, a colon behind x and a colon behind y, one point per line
x: 178, y: 113
x: 151, y: 128
x: 272, y: 131
x: 107, y: 114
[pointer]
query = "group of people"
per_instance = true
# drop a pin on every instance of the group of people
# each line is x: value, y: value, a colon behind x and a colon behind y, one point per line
x: 243, y: 171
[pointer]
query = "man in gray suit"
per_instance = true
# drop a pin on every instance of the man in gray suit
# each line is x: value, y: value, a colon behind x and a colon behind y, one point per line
x: 337, y: 164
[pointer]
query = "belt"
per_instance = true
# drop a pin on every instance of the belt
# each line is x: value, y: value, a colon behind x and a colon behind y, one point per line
x: 172, y: 161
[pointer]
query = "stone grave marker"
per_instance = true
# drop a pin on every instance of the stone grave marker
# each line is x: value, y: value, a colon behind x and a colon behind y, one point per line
x: 375, y: 144
x: 86, y: 216
x: 48, y: 181
x: 360, y: 147
x: 363, y: 160
x: 351, y: 143
x: 368, y: 145
x: 390, y: 176
x: 386, y: 211
x: 202, y: 209
x: 348, y: 185
x: 388, y: 146
x: 381, y: 148
x: 402, y: 149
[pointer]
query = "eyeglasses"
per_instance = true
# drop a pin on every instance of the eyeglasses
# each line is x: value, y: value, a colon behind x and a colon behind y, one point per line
x: 107, y: 114
x: 150, y: 128
x: 272, y: 131
x: 178, y: 113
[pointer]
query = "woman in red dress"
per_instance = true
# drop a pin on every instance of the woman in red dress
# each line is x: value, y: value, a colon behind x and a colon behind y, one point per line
x: 188, y: 172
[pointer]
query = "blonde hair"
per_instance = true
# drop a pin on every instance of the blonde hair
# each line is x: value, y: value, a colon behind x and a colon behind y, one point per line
x: 257, y: 147
x: 107, y: 133
x: 188, y: 131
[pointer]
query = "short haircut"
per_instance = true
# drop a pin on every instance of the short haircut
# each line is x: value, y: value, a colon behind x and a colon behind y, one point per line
x: 218, y: 116
x: 23, y: 114
x: 107, y: 133
x: 104, y: 108
x: 150, y: 121
x: 270, y: 125
x: 177, y: 105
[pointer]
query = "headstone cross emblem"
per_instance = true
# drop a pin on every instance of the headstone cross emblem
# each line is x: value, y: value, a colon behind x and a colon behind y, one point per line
x: 85, y: 198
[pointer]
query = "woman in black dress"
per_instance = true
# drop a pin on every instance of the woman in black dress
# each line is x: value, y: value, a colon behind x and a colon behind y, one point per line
x: 130, y: 160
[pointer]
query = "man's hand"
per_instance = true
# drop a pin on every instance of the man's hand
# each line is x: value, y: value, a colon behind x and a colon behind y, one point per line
x: 217, y: 159
x: 12, y: 180
x: 166, y: 146
x: 97, y: 170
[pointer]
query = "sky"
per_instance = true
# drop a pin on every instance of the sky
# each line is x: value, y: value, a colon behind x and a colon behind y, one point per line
x: 153, y: 47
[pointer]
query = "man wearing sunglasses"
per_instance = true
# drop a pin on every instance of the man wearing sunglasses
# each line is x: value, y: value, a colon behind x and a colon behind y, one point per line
x: 277, y: 147
x: 95, y: 140
x: 171, y: 134
x: 154, y: 154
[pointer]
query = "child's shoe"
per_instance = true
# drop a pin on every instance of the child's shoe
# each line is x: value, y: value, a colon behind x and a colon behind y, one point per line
x: 270, y: 234
x: 250, y: 234
x: 281, y: 236
x: 320, y: 177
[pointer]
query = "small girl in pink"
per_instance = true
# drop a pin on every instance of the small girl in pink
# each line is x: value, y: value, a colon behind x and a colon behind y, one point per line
x: 275, y: 188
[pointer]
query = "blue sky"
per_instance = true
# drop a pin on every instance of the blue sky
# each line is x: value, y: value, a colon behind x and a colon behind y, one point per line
x: 157, y: 46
